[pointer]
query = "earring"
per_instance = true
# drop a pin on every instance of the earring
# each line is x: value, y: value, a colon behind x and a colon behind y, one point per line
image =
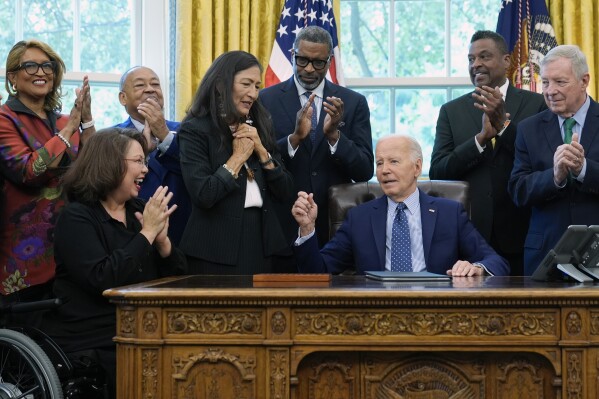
x: 14, y: 87
x: 221, y: 109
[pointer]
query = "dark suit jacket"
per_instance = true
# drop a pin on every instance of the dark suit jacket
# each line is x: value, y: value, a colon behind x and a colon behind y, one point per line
x: 314, y: 170
x: 456, y: 157
x: 531, y: 183
x: 165, y: 170
x: 447, y: 236
x: 214, y: 229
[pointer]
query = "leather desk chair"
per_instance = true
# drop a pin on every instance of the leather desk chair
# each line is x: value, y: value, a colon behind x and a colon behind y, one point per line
x: 342, y: 197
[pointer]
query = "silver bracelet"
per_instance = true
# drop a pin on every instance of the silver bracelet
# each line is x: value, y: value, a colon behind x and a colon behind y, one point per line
x: 65, y: 141
x: 87, y: 125
x: 231, y: 171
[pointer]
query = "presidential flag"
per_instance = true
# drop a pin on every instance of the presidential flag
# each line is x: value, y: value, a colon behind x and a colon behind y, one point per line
x: 526, y: 27
x: 297, y: 14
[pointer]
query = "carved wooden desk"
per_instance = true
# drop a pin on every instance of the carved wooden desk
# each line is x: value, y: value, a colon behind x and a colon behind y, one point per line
x: 219, y: 337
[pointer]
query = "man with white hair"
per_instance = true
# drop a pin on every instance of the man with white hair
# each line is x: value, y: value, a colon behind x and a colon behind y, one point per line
x: 556, y: 167
x: 437, y: 235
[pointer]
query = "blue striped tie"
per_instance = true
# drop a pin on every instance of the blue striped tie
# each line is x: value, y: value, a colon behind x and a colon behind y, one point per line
x: 401, y: 249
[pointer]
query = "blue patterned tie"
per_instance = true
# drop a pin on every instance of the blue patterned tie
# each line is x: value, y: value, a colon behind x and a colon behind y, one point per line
x: 314, y: 121
x: 568, y: 125
x: 401, y: 252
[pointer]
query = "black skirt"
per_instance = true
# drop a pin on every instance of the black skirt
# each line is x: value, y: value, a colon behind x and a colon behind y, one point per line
x: 251, y: 259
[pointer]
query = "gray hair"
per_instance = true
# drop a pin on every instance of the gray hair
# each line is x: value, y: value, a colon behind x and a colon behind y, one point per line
x: 571, y: 52
x: 126, y: 75
x: 314, y: 34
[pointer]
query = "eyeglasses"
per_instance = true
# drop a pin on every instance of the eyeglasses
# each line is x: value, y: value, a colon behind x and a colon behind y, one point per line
x: 317, y: 64
x: 139, y: 161
x: 31, y: 67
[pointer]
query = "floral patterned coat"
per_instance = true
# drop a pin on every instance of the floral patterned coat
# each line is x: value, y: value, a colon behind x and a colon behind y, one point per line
x: 30, y: 196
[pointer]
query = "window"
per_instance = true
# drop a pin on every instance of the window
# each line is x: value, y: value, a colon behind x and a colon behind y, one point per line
x: 98, y: 38
x: 409, y: 57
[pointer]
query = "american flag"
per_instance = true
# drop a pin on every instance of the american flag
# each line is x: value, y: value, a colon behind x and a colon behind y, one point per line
x: 526, y: 27
x: 297, y: 14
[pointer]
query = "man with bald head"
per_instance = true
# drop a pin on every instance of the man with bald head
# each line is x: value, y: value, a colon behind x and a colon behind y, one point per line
x: 438, y: 237
x: 141, y: 95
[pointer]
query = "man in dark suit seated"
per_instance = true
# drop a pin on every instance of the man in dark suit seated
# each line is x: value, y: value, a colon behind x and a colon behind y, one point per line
x: 556, y: 169
x: 141, y: 95
x: 323, y: 130
x: 471, y: 144
x: 438, y: 236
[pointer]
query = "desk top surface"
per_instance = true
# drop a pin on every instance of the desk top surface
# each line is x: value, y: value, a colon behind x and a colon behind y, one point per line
x: 238, y: 288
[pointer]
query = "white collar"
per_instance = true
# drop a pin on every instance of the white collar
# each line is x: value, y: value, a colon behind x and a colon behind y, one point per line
x: 503, y: 88
x: 319, y: 90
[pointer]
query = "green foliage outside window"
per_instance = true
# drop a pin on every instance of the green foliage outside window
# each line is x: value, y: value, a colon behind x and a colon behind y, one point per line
x: 89, y: 35
x: 421, y: 47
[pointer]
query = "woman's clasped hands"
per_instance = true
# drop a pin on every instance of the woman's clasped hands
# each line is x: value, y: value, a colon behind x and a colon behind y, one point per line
x: 247, y: 132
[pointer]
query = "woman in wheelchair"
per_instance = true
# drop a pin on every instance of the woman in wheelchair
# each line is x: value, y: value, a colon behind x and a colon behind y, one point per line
x: 106, y: 237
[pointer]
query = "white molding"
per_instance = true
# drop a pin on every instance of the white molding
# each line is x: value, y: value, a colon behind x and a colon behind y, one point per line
x: 155, y: 41
x: 424, y: 82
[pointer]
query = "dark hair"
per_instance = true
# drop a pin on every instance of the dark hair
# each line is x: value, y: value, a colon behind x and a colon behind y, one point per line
x: 100, y: 166
x: 489, y: 34
x: 314, y: 34
x: 213, y: 98
x: 52, y: 101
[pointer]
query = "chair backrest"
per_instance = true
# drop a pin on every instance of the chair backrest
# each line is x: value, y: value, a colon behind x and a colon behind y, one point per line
x: 342, y: 197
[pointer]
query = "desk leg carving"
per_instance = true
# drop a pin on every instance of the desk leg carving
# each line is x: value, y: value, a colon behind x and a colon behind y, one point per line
x: 574, y: 378
x: 279, y: 373
x: 149, y: 381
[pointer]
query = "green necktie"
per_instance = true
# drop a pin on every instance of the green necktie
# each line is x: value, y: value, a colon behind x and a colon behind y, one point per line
x: 568, y: 125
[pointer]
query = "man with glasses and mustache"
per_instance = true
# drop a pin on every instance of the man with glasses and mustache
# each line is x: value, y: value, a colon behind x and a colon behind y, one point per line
x: 141, y: 95
x: 323, y: 130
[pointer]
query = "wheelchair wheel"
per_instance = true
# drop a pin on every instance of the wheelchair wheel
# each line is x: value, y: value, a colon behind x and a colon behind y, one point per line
x: 25, y: 370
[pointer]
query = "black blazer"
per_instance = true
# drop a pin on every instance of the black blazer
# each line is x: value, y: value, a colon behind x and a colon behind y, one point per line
x: 213, y: 232
x: 456, y: 157
x: 314, y: 169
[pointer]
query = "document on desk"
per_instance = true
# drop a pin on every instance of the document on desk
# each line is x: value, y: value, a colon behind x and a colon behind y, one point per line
x: 406, y: 276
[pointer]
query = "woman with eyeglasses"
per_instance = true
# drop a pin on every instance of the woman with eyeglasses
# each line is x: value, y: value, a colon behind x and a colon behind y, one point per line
x: 37, y: 144
x: 106, y: 237
x: 233, y: 172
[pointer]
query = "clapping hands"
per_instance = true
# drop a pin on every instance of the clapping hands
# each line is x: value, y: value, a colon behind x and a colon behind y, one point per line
x: 155, y: 219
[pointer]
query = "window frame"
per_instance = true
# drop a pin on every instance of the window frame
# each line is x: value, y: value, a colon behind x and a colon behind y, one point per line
x: 149, y: 25
x: 458, y: 79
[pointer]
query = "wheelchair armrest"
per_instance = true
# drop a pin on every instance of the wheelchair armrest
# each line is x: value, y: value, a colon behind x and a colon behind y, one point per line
x: 22, y: 307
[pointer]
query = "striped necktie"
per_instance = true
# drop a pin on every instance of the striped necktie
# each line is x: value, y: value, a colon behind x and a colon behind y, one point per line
x: 314, y: 121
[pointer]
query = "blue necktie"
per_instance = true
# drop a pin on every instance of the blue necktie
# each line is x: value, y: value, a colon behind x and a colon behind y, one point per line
x: 568, y: 125
x: 401, y: 250
x: 314, y: 121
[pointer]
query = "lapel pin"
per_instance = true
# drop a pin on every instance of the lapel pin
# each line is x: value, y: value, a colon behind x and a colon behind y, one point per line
x: 431, y: 210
